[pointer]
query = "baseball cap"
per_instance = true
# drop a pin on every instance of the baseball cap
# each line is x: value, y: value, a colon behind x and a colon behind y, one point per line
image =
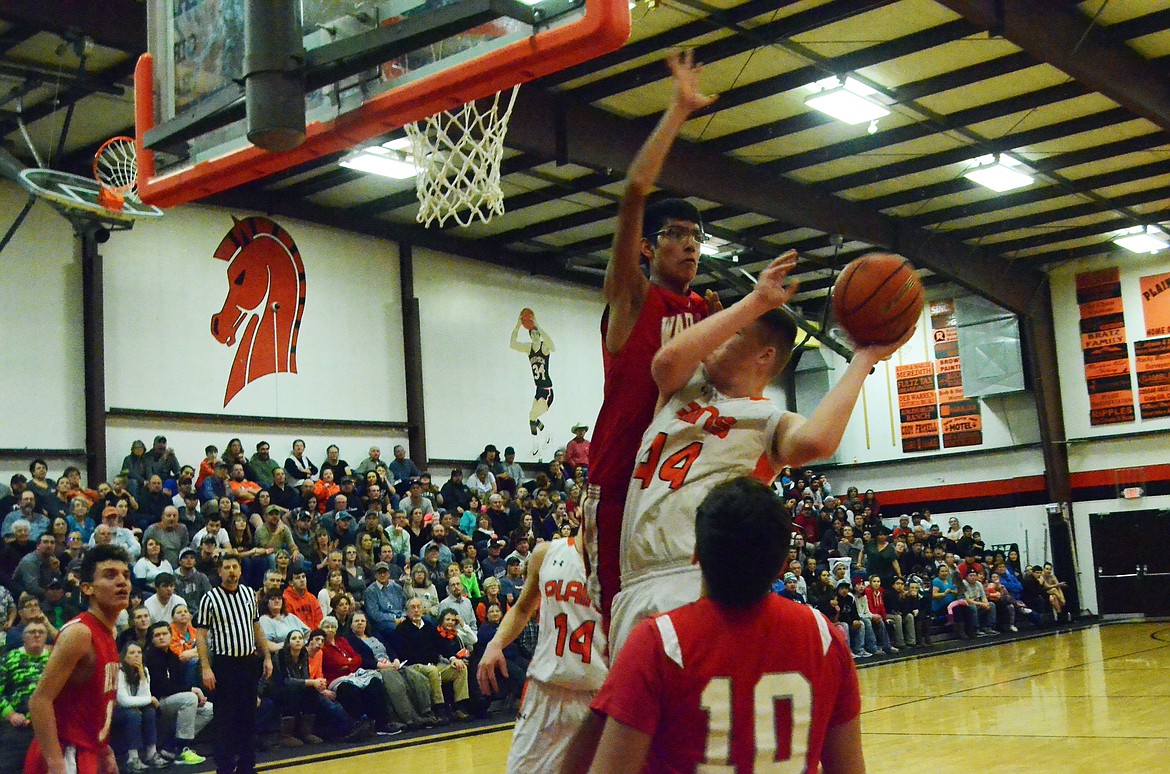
x: 302, y: 513
x: 381, y: 566
x: 509, y: 450
x: 55, y: 583
x: 789, y: 577
x: 109, y: 510
x: 456, y: 471
x: 274, y: 509
x: 579, y: 426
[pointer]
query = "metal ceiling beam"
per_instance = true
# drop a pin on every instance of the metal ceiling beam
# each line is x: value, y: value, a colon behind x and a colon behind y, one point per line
x: 909, y: 91
x: 722, y: 48
x: 1056, y: 236
x: 1002, y: 202
x: 1006, y: 143
x: 1054, y: 215
x: 667, y: 39
x: 596, y: 138
x: 106, y: 80
x: 1063, y: 254
x: 113, y: 23
x: 1051, y: 164
x: 1065, y: 38
x: 916, y: 130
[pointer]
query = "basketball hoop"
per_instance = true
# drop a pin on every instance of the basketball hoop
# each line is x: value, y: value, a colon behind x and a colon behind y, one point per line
x: 115, y: 167
x: 457, y: 153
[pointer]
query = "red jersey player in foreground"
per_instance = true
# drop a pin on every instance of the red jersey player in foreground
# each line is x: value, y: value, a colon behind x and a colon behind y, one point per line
x: 741, y: 680
x: 73, y: 704
x: 641, y: 314
x: 568, y: 666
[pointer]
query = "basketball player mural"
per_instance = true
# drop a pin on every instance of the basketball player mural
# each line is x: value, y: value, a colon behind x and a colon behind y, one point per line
x: 538, y: 349
x: 261, y: 315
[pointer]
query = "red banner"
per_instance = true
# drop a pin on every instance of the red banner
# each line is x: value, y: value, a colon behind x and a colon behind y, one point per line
x: 962, y: 420
x: 1153, y: 376
x: 1156, y: 304
x: 1104, y: 347
x: 918, y: 407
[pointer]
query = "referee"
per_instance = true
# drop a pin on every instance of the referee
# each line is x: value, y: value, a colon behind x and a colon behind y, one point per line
x: 228, y: 614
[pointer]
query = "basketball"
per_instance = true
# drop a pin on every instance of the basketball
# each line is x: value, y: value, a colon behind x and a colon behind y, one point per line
x: 877, y: 298
x: 527, y: 318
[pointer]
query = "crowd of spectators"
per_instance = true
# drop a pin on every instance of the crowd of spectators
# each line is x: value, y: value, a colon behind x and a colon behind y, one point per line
x: 378, y: 588
x: 893, y: 587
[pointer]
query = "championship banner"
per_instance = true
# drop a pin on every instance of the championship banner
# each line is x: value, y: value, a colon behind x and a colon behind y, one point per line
x: 918, y: 407
x: 1156, y: 304
x: 1153, y: 376
x: 1104, y: 347
x: 961, y: 418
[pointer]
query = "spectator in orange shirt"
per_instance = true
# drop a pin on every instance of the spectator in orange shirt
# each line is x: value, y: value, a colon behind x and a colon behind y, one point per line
x: 324, y: 489
x: 207, y: 466
x: 243, y: 489
x: 302, y: 604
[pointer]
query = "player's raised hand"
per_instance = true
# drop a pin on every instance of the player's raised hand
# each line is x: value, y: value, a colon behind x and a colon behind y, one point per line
x: 687, y: 95
x: 713, y: 303
x: 772, y: 285
x: 879, y: 352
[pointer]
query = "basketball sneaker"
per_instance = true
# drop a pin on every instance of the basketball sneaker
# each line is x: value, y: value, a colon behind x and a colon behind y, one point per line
x: 189, y: 757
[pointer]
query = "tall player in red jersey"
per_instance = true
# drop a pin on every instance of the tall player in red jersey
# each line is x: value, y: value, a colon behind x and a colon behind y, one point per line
x: 73, y: 704
x: 641, y: 314
x: 742, y: 680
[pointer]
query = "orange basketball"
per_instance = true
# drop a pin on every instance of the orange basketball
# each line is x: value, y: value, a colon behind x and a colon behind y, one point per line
x: 527, y: 318
x: 877, y: 298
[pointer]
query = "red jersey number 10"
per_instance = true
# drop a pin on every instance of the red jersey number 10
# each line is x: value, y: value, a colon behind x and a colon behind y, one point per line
x: 717, y: 702
x: 674, y: 468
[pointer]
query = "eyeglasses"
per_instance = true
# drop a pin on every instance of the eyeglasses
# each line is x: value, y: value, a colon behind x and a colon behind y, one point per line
x: 679, y: 233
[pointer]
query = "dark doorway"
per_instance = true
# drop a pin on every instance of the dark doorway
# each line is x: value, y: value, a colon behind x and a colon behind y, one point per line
x: 1132, y: 555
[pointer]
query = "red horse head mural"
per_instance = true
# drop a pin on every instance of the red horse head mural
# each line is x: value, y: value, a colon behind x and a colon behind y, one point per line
x: 265, y: 301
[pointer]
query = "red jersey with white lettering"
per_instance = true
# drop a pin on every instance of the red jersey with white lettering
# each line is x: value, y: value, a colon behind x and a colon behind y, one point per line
x: 630, y: 393
x: 744, y: 688
x: 570, y: 649
x: 84, y: 710
x: 697, y: 440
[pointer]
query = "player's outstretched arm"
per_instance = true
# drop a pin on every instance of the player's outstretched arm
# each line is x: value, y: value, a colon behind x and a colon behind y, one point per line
x: 625, y: 285
x: 799, y: 441
x: 73, y: 645
x: 841, y: 753
x: 622, y: 748
x: 676, y: 361
x: 512, y: 625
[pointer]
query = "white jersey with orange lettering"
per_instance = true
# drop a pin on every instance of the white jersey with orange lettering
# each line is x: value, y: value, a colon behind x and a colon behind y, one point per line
x: 698, y: 440
x: 570, y: 649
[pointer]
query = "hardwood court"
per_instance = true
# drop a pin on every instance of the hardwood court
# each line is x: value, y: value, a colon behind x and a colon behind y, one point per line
x: 1086, y: 701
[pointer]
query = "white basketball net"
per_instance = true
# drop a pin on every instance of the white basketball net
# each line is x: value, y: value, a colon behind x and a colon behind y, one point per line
x: 116, y: 167
x: 458, y: 154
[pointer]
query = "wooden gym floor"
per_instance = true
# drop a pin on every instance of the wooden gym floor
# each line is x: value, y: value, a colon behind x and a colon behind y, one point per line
x: 1092, y: 700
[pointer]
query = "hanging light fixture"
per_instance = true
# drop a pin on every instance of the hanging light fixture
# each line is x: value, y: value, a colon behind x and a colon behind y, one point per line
x: 849, y: 101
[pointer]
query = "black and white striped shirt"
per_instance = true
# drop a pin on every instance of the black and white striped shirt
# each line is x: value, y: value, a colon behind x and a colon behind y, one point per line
x: 229, y: 618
